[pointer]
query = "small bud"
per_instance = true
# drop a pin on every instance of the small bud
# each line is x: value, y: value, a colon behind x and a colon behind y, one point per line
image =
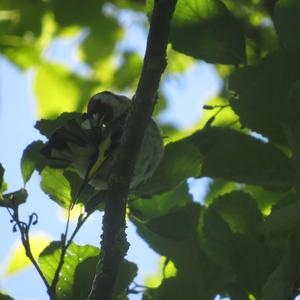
x: 208, y: 107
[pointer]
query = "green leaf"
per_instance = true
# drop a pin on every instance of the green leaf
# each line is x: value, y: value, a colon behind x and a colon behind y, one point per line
x: 286, y: 20
x: 157, y: 205
x: 218, y: 187
x: 22, y: 53
x: 265, y: 199
x: 4, y: 187
x: 239, y: 211
x: 101, y: 41
x: 5, y: 297
x: 14, y: 199
x: 259, y: 105
x: 181, y: 160
x: 85, y: 195
x: 18, y: 260
x: 84, y: 275
x: 50, y: 257
x: 178, y: 62
x: 196, y: 271
x: 31, y: 159
x: 206, y: 30
x: 242, y: 254
x: 177, y: 224
x: 28, y: 16
x: 78, y: 271
x: 68, y: 91
x: 126, y: 274
x: 282, y: 282
x: 160, y: 106
x: 127, y: 75
x: 85, y: 13
x: 71, y: 146
x: 48, y: 126
x: 175, y: 288
x: 234, y: 156
x: 1, y: 176
x: 215, y: 237
x: 55, y: 184
x: 283, y: 220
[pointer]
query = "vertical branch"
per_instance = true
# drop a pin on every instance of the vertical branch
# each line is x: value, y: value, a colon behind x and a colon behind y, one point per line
x: 114, y: 245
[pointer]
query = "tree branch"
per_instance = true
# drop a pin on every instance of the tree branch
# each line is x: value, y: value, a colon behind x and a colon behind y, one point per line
x: 114, y: 245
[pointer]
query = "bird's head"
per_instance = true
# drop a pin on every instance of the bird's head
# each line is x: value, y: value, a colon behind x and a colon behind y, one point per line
x: 106, y: 106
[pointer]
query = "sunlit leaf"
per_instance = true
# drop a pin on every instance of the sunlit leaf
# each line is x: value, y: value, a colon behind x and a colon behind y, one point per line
x: 20, y: 52
x: 49, y: 260
x: 225, y: 115
x: 101, y: 40
x: 165, y: 270
x: 264, y: 198
x: 55, y: 184
x: 239, y: 210
x: 218, y: 187
x: 58, y: 90
x: 18, y: 260
x: 178, y: 62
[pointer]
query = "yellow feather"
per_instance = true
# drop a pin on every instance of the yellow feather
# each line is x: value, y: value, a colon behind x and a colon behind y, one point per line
x: 101, y: 156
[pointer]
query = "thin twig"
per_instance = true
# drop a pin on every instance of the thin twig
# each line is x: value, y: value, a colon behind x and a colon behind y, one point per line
x: 64, y: 247
x: 62, y: 256
x: 24, y: 231
x: 114, y: 245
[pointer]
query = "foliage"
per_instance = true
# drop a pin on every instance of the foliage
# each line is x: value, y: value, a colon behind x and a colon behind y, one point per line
x: 242, y: 242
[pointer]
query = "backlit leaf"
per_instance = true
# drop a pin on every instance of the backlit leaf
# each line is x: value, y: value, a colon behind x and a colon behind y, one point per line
x: 206, y: 30
x: 18, y: 260
x: 31, y: 159
x: 55, y: 184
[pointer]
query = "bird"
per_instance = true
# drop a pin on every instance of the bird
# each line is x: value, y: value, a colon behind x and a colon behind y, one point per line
x: 89, y: 147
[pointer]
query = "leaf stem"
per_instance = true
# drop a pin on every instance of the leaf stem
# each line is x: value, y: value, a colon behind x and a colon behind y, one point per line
x: 64, y: 247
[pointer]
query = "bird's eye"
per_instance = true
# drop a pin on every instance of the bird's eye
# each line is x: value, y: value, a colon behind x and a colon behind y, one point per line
x: 102, y: 110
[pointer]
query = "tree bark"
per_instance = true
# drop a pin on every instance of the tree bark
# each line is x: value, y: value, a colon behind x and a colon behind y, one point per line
x: 114, y: 244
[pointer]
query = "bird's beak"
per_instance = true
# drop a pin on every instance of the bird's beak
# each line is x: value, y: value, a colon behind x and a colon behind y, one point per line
x: 93, y: 120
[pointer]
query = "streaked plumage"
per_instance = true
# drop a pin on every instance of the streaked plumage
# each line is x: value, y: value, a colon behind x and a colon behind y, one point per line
x: 90, y: 147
